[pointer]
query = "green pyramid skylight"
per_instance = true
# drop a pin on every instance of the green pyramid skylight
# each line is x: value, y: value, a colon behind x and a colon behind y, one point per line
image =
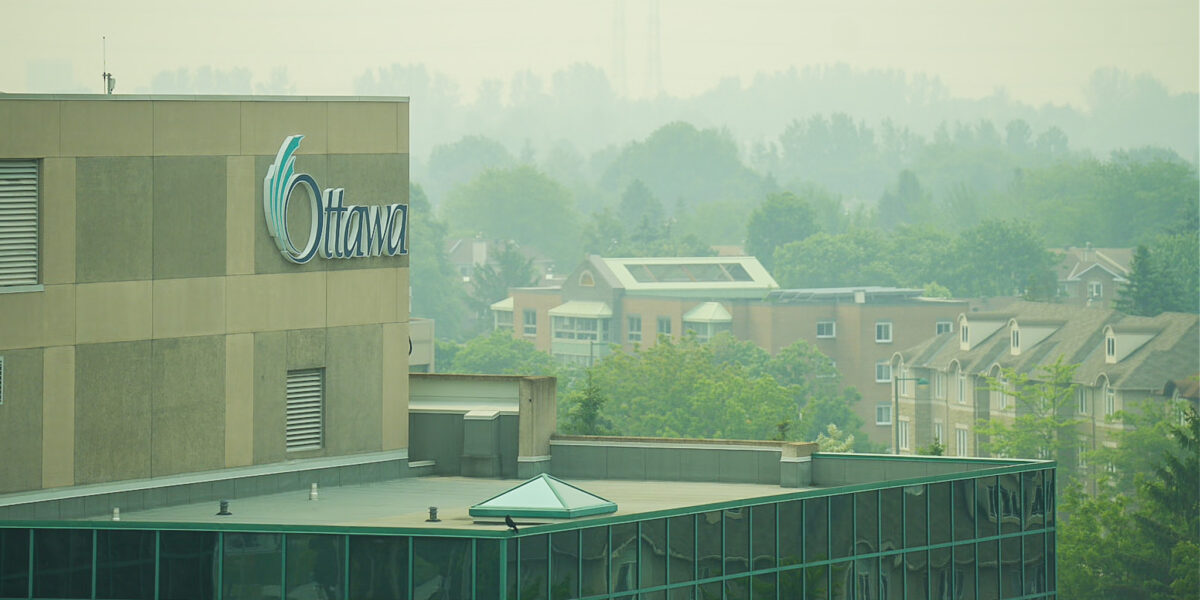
x: 544, y: 496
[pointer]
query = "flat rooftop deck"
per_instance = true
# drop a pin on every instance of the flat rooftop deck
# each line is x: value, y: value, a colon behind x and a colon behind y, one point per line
x: 405, y: 502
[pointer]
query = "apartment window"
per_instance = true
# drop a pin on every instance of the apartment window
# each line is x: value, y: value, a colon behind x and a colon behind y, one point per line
x: 305, y: 404
x: 18, y: 223
x: 939, y: 386
x: 938, y: 435
x: 1081, y: 456
x: 883, y: 371
x: 962, y: 388
x: 1016, y: 341
x: 883, y: 413
x: 579, y: 328
x: 1095, y: 289
x: 960, y: 441
x: 530, y: 321
x: 1110, y: 347
x: 1081, y: 400
x: 902, y: 432
x: 826, y: 329
x: 883, y: 332
x: 504, y: 319
x: 1110, y: 401
x: 943, y: 327
x: 999, y: 397
x: 664, y: 325
x: 586, y: 279
x: 633, y: 331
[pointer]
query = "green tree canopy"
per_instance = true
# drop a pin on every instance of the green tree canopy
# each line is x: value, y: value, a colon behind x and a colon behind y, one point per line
x: 499, y: 353
x: 1002, y: 258
x: 436, y: 292
x: 452, y: 165
x: 491, y: 281
x: 858, y: 257
x: 780, y: 219
x: 1164, y: 276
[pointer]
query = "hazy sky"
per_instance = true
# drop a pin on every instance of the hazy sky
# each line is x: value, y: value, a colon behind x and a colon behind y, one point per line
x: 1040, y: 50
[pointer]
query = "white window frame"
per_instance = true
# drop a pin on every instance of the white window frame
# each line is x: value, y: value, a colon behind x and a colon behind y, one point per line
x: 1110, y: 401
x: 1000, y: 395
x: 1080, y: 459
x: 1095, y: 289
x: 579, y: 328
x: 939, y: 385
x: 883, y: 413
x: 961, y: 440
x: 663, y: 325
x: 962, y: 387
x: 943, y: 326
x: 883, y: 332
x: 939, y: 434
x: 504, y: 319
x: 20, y: 225
x: 304, y: 410
x: 832, y: 329
x: 882, y: 376
x: 1082, y: 401
x: 632, y: 334
x: 902, y: 433
x: 529, y: 327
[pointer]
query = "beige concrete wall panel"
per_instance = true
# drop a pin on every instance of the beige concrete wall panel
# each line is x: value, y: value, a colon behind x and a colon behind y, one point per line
x: 30, y: 128
x: 363, y: 127
x: 275, y: 302
x: 107, y: 128
x: 239, y: 400
x: 197, y: 128
x: 113, y: 312
x: 58, y: 220
x: 189, y: 307
x: 267, y: 258
x: 270, y: 394
x: 402, y: 128
x: 112, y: 411
x: 265, y: 124
x: 305, y: 349
x: 188, y: 411
x: 353, y: 389
x: 240, y: 208
x: 402, y: 295
x: 21, y: 421
x: 394, y: 396
x: 361, y: 297
x: 58, y: 315
x: 369, y: 179
x: 113, y: 218
x: 189, y: 216
x: 22, y: 325
x: 58, y: 417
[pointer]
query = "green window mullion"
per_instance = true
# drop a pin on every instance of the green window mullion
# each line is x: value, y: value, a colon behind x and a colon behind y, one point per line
x: 31, y: 557
x: 220, y: 564
x: 346, y: 566
x: 879, y: 539
x: 667, y: 571
x: 504, y: 567
x: 637, y: 553
x: 410, y: 566
x: 94, y: 542
x: 283, y: 542
x: 695, y: 548
x: 474, y: 565
x: 157, y: 560
x: 777, y: 561
x: 608, y: 582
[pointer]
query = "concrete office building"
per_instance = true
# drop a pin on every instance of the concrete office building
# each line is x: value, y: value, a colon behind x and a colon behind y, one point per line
x: 150, y: 324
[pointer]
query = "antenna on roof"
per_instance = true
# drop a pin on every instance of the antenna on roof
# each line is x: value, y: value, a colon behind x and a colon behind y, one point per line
x: 110, y: 82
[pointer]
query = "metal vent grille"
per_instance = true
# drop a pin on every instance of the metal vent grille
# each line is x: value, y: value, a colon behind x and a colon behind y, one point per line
x: 18, y: 222
x: 305, y: 400
x: 1, y: 380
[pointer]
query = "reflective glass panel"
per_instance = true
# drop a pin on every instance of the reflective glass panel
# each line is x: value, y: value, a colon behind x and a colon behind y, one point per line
x: 964, y: 571
x: 791, y: 583
x: 891, y: 519
x: 1048, y: 476
x: 737, y: 589
x: 939, y: 513
x: 623, y: 560
x: 512, y: 556
x: 252, y: 565
x: 1033, y: 492
x: 816, y: 529
x: 442, y: 567
x: 891, y: 577
x: 866, y: 578
x: 791, y: 532
x: 487, y: 569
x: 841, y: 580
x: 1035, y: 563
x: 915, y: 530
x: 653, y: 557
x: 866, y: 529
x: 763, y: 586
x: 816, y: 582
x: 737, y: 540
x: 710, y: 591
x: 62, y: 563
x: 1010, y: 567
x: 535, y: 568
x: 378, y: 567
x: 564, y: 564
x: 916, y: 575
x: 1051, y: 577
x: 683, y: 593
x: 124, y: 565
x: 1010, y: 503
x: 14, y: 563
x: 989, y: 570
x: 940, y: 573
x: 683, y: 548
x: 762, y: 537
x: 964, y: 509
x: 187, y: 565
x: 594, y: 577
x: 987, y: 514
x: 709, y: 545
x: 841, y: 534
x: 315, y: 566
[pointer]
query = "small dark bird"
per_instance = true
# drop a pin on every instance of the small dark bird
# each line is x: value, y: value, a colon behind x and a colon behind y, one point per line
x: 511, y: 524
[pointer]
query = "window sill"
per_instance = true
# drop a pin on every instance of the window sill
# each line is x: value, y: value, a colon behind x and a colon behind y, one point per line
x: 17, y: 289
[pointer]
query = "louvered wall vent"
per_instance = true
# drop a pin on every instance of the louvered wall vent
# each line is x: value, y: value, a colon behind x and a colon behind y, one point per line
x: 18, y: 222
x: 305, y: 414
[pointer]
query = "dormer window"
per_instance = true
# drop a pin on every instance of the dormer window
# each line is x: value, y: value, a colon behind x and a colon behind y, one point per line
x: 1015, y: 341
x: 1110, y: 346
x: 586, y: 279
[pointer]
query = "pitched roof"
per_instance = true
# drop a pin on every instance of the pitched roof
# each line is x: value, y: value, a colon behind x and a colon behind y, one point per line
x: 1074, y: 262
x: 543, y: 496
